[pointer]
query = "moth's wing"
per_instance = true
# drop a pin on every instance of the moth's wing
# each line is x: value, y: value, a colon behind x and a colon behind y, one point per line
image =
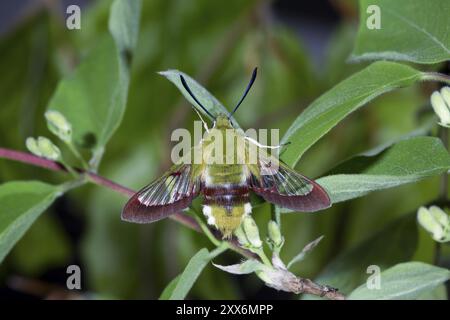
x: 171, y: 193
x: 279, y: 184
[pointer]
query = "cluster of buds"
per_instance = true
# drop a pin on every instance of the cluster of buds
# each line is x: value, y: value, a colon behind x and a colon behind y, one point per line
x: 436, y: 222
x: 44, y: 148
x: 440, y: 101
x: 248, y: 235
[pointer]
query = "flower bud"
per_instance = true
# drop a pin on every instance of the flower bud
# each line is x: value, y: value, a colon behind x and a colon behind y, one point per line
x: 252, y: 232
x: 435, y: 221
x: 445, y: 93
x: 32, y: 146
x: 441, y: 108
x: 58, y: 125
x: 48, y: 149
x: 240, y: 235
x: 275, y: 236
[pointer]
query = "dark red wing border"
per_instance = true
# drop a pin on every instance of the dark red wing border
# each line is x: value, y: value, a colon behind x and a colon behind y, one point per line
x: 169, y: 194
x: 135, y: 211
x: 315, y: 200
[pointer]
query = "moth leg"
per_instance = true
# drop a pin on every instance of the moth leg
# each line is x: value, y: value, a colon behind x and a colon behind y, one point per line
x: 205, y: 126
x: 264, y: 146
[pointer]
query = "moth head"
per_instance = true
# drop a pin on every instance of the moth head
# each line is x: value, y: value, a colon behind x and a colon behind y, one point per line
x: 223, y: 122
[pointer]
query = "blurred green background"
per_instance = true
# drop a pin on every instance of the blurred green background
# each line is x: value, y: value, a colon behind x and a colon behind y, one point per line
x: 301, y: 51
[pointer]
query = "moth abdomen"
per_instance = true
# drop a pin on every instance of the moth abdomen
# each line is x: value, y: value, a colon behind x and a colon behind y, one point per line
x: 225, y: 206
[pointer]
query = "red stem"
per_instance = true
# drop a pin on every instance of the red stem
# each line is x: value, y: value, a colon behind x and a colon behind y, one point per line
x: 99, y: 180
x: 30, y: 159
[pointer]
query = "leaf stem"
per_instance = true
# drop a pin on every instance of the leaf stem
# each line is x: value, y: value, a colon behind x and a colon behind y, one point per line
x: 260, y: 252
x: 69, y: 168
x: 77, y: 154
x: 97, y: 155
x: 436, y: 76
x: 72, y: 184
x: 206, y: 230
x: 437, y: 253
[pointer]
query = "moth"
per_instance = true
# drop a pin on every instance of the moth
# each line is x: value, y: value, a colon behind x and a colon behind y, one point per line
x: 225, y: 187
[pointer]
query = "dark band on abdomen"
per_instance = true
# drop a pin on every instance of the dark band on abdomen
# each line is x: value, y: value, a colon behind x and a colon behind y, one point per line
x: 228, y: 196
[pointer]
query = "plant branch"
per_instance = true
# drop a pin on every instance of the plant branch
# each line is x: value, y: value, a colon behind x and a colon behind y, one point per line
x: 280, y: 278
x: 94, y: 178
x: 310, y: 287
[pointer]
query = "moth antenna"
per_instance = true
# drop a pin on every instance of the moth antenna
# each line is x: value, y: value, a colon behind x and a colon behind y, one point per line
x: 245, y: 93
x: 183, y: 82
x: 205, y: 125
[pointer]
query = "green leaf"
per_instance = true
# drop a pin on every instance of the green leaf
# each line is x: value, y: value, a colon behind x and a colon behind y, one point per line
x: 302, y: 254
x: 395, y: 243
x: 421, y: 130
x: 203, y: 96
x: 404, y: 162
x: 124, y: 23
x: 93, y: 98
x: 190, y: 274
x: 347, y: 96
x: 168, y: 290
x: 438, y: 293
x: 21, y: 204
x: 246, y: 267
x: 409, y: 31
x: 87, y: 97
x: 183, y: 283
x: 404, y: 281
